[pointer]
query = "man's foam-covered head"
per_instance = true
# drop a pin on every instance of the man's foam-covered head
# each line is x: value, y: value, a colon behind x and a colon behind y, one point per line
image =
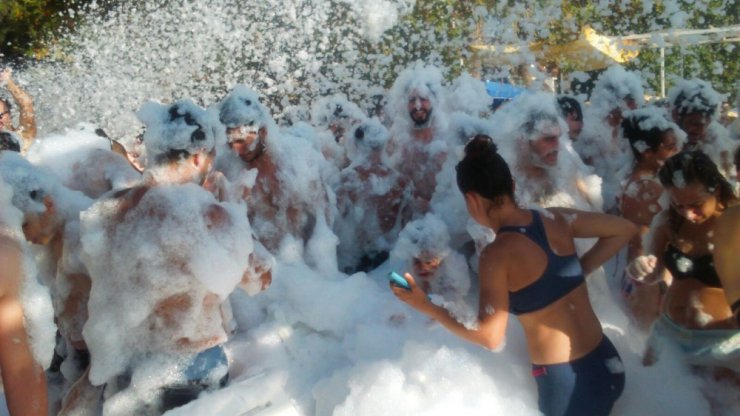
x: 367, y: 137
x: 335, y: 110
x: 242, y: 108
x: 182, y: 127
x: 418, y: 94
x: 29, y: 183
x: 529, y: 127
x: 694, y: 96
x: 617, y: 89
x: 424, y: 237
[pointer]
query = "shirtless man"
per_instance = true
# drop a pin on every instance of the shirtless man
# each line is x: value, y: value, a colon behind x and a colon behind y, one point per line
x: 600, y: 144
x: 372, y: 200
x: 51, y: 219
x: 27, y: 127
x: 24, y: 381
x: 418, y: 146
x: 280, y: 181
x: 695, y: 107
x: 548, y: 171
x: 178, y: 255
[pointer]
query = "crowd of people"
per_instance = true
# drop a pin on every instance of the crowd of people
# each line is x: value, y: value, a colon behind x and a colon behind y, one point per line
x: 498, y: 213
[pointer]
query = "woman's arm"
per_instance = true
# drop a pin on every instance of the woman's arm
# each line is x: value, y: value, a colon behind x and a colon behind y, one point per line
x: 612, y: 232
x: 493, y: 313
x: 23, y: 379
x: 727, y: 255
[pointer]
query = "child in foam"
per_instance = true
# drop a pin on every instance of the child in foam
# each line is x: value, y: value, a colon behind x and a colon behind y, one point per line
x: 695, y: 242
x: 531, y: 270
x: 163, y: 257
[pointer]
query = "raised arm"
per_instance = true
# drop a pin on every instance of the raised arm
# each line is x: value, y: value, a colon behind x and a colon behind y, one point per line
x: 493, y: 312
x: 612, y: 232
x: 27, y: 127
x: 23, y: 379
x: 727, y: 256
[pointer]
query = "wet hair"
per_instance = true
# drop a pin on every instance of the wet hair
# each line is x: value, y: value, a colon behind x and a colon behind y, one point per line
x: 484, y: 171
x: 9, y: 142
x: 632, y: 131
x: 690, y: 167
x: 569, y: 105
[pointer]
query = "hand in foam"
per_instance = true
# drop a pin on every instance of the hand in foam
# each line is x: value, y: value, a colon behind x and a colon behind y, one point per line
x: 642, y: 267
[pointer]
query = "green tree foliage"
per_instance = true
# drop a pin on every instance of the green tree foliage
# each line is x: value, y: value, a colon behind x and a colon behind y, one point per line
x: 27, y: 25
x: 557, y: 22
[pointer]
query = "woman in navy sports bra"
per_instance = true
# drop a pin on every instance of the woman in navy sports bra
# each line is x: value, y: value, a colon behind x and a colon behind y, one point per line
x: 531, y: 270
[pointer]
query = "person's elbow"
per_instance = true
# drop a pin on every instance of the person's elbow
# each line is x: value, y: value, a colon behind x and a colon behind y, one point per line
x: 493, y: 344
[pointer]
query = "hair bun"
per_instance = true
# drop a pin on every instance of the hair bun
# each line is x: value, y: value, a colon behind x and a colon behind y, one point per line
x: 480, y: 146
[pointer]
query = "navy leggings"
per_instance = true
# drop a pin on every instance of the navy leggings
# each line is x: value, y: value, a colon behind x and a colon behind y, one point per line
x: 588, y: 386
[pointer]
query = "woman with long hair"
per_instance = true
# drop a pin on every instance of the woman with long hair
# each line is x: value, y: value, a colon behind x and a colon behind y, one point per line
x: 531, y: 270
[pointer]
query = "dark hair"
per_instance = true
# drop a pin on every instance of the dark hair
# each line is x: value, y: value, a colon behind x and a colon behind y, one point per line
x: 569, y: 105
x: 9, y: 142
x: 737, y: 158
x: 172, y: 156
x: 699, y: 103
x: 632, y: 131
x: 695, y: 166
x: 483, y: 170
x: 8, y: 107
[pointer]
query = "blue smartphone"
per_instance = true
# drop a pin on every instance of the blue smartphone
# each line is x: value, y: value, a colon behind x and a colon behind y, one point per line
x: 398, y: 280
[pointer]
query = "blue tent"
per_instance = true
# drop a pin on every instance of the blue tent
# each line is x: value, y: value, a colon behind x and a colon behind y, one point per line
x: 502, y: 90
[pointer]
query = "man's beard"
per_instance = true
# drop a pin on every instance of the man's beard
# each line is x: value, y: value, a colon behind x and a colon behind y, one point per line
x: 421, y: 122
x: 539, y: 161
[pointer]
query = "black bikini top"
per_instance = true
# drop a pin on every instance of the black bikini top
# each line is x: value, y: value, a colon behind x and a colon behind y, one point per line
x: 683, y: 267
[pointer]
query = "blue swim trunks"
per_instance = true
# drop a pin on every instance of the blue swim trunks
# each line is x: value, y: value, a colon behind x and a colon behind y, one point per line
x: 588, y: 386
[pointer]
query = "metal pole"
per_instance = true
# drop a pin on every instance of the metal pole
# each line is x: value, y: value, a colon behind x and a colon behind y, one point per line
x: 662, y: 72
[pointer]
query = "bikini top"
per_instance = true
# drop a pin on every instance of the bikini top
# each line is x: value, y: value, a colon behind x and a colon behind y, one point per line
x: 562, y: 275
x: 683, y: 267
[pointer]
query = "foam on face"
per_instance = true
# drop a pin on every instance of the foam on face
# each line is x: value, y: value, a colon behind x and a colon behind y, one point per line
x: 613, y: 87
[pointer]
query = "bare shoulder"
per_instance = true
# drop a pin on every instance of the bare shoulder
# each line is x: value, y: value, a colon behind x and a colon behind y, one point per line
x: 731, y: 216
x: 728, y: 223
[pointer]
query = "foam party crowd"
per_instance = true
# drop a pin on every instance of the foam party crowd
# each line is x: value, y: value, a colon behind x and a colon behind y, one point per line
x: 553, y: 255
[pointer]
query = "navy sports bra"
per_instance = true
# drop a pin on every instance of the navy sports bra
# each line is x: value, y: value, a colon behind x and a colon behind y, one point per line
x: 683, y: 267
x: 562, y: 275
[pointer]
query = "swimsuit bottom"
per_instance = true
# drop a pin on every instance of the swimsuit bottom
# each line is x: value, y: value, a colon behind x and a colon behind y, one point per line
x: 207, y: 370
x: 699, y: 347
x: 587, y: 386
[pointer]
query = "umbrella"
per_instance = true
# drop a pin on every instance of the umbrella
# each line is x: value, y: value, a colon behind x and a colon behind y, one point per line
x: 503, y: 90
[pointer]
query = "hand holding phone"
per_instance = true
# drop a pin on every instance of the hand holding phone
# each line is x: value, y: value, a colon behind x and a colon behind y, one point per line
x: 398, y: 280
